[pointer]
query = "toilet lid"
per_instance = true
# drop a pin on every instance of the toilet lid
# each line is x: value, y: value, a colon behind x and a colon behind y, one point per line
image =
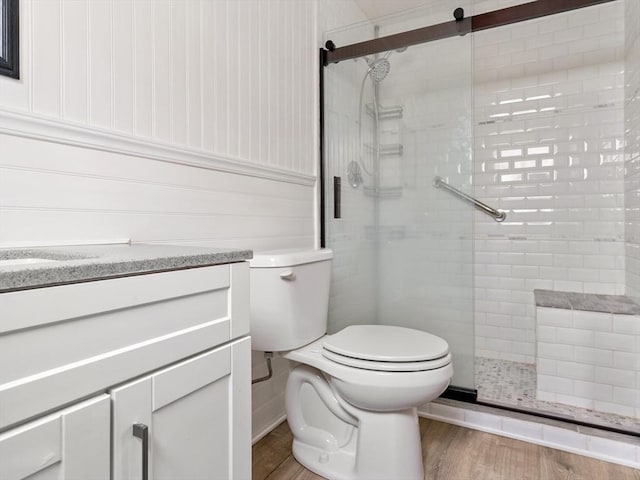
x: 385, y: 343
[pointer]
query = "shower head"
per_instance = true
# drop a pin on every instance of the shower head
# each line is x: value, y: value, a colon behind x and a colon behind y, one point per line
x: 379, y: 69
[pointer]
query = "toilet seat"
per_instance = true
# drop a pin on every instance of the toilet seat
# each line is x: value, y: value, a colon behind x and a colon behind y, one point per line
x: 386, y: 348
x: 387, y: 366
x: 377, y: 390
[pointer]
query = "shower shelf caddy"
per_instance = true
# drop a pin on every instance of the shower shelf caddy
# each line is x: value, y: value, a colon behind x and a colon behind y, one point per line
x: 386, y: 150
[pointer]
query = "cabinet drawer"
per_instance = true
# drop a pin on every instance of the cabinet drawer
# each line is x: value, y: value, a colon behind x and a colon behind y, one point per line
x: 67, y: 342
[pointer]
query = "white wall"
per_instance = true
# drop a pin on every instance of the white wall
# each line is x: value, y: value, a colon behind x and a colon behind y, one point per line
x: 163, y: 97
x: 231, y: 78
x: 632, y: 147
x: 183, y: 122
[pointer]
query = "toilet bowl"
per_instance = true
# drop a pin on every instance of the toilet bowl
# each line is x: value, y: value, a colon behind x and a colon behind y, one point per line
x: 351, y: 401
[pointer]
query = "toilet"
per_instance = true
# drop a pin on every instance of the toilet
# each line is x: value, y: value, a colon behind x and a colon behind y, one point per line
x: 351, y: 401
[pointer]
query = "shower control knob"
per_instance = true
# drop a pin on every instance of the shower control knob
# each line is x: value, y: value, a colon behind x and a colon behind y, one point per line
x: 329, y: 45
x: 458, y: 14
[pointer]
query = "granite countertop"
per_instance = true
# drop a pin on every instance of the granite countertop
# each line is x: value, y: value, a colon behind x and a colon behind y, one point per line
x: 24, y: 268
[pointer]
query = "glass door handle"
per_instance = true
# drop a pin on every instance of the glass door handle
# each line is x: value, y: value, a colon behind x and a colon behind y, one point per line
x: 337, y: 197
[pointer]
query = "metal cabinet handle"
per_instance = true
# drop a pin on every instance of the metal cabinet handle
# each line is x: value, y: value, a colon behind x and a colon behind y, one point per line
x: 141, y: 431
x: 290, y: 276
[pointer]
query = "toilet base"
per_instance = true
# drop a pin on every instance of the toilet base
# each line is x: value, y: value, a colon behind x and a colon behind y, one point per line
x: 341, y: 441
x: 387, y: 447
x: 332, y: 465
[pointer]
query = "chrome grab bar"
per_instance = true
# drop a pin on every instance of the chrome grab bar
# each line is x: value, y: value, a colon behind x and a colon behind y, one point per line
x: 497, y: 215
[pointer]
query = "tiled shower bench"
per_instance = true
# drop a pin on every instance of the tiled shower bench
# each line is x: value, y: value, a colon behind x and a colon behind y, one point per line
x: 588, y: 350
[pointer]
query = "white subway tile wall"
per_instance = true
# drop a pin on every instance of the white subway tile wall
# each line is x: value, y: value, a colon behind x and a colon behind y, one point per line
x: 589, y: 359
x: 548, y: 120
x: 632, y: 148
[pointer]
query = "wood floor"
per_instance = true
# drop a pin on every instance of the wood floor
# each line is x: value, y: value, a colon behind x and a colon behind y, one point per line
x: 455, y: 453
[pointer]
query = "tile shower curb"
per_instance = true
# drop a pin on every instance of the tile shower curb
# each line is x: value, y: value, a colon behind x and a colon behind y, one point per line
x: 565, y: 439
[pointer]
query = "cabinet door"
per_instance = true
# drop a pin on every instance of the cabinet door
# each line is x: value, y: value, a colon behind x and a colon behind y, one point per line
x: 73, y: 444
x: 187, y: 410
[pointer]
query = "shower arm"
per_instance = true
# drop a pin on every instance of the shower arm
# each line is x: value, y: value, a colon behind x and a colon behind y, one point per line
x: 497, y: 215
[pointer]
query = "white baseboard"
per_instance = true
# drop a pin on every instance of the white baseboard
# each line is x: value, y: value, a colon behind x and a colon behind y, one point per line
x: 265, y: 431
x: 614, y: 451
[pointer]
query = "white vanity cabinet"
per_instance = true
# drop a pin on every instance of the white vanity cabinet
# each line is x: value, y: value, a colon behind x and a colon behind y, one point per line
x: 168, y: 353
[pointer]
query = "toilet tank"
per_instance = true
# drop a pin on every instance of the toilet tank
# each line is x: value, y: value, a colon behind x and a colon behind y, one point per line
x: 289, y: 298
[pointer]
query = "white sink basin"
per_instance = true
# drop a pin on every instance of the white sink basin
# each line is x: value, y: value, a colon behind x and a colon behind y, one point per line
x: 14, y: 262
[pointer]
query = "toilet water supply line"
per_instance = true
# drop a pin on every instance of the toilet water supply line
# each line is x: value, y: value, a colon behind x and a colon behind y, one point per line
x: 267, y: 356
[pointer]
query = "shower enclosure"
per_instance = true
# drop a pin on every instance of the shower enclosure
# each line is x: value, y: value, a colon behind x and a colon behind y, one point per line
x: 518, y: 112
x: 402, y: 247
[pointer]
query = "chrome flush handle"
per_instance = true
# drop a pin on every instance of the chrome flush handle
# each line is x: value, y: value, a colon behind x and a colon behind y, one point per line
x: 289, y: 276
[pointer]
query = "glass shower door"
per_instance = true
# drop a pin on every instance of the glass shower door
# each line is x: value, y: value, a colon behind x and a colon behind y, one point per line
x: 394, y: 122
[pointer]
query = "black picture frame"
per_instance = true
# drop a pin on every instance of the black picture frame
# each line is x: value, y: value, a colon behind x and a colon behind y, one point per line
x: 10, y: 33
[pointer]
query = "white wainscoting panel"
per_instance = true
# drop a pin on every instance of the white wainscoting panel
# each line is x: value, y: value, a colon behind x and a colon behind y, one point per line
x: 232, y: 78
x: 52, y: 192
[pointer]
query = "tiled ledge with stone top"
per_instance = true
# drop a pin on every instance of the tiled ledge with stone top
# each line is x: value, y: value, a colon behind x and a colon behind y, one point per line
x: 587, y: 351
x: 588, y: 302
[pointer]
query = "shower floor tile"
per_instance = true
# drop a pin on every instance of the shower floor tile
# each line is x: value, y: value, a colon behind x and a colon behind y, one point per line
x: 513, y: 384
